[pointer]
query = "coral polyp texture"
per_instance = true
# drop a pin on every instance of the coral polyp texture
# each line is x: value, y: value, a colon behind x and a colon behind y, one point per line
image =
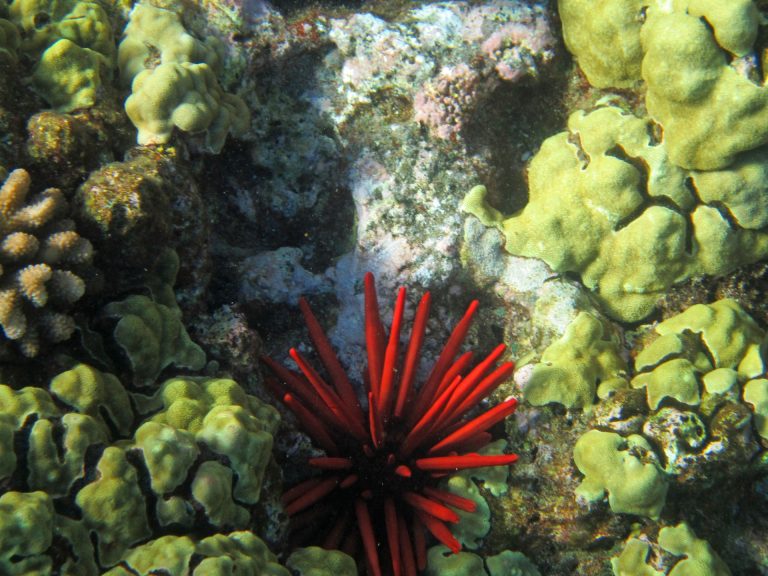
x: 383, y: 462
x: 39, y: 254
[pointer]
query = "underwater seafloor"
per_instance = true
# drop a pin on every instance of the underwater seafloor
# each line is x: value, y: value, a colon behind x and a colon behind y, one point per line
x: 178, y: 173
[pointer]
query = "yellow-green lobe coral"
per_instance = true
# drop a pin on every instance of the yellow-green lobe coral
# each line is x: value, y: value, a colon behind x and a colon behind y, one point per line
x: 632, y: 560
x: 56, y: 454
x: 606, y: 202
x: 70, y: 77
x: 26, y: 533
x: 227, y: 420
x: 440, y: 562
x: 732, y: 338
x: 186, y: 96
x: 168, y: 453
x: 9, y: 41
x: 687, y: 52
x: 756, y: 394
x: 153, y: 337
x: 73, y: 43
x: 113, y: 507
x: 604, y: 35
x: 510, y: 563
x: 44, y: 22
x: 571, y: 368
x: 212, y: 489
x: 97, y: 394
x: 698, y: 557
x: 155, y: 35
x: 218, y: 555
x: 626, y: 468
x: 316, y: 561
x: 702, y: 355
x: 709, y: 111
x: 174, y: 83
x: 56, y: 443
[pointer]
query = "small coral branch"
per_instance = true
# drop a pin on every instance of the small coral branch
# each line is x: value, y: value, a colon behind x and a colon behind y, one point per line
x: 39, y: 251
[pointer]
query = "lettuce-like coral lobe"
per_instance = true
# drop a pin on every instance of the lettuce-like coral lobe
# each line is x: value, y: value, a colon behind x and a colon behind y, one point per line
x: 383, y: 462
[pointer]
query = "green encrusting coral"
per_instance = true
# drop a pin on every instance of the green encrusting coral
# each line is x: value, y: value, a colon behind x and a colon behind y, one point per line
x: 606, y: 202
x: 220, y: 554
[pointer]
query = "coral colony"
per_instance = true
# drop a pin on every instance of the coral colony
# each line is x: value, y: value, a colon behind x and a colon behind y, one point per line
x: 383, y: 463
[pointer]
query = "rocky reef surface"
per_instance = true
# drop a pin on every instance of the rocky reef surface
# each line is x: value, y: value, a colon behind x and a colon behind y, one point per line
x: 177, y: 174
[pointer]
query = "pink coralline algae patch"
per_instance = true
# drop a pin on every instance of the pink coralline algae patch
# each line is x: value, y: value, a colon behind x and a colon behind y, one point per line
x: 514, y: 46
x: 513, y: 43
x: 443, y: 103
x: 443, y: 57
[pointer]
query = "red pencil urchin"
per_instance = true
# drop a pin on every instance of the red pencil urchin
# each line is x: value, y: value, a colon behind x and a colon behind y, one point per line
x: 383, y: 464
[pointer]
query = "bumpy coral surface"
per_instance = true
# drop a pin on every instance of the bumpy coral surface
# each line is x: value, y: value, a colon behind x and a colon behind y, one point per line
x: 199, y: 460
x: 40, y: 252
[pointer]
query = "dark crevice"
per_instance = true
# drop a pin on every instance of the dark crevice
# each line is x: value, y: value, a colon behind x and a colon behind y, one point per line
x: 106, y: 417
x: 574, y: 138
x: 21, y: 449
x: 135, y: 459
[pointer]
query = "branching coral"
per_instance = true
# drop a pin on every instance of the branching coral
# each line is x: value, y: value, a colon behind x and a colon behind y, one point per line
x: 39, y: 254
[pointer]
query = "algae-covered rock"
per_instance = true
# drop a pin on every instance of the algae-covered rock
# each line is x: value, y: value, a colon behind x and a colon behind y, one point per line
x: 626, y: 468
x: 125, y: 205
x: 606, y: 203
